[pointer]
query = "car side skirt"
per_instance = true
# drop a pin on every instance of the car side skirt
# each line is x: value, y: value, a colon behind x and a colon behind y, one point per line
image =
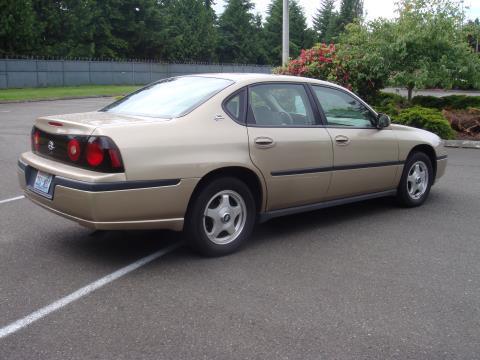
x: 323, y: 205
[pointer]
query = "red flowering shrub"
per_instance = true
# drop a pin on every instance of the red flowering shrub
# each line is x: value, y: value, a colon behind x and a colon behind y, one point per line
x: 345, y: 65
x: 320, y: 62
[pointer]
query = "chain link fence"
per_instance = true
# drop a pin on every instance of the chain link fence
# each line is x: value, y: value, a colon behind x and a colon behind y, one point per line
x: 21, y: 73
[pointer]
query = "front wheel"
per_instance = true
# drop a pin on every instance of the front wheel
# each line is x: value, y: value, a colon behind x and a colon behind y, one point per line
x: 221, y: 217
x: 416, y: 181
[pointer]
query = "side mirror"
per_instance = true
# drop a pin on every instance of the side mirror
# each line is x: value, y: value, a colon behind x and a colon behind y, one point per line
x: 383, y: 121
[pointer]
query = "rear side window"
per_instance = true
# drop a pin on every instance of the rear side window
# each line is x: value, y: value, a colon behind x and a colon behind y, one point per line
x: 342, y: 109
x: 169, y: 98
x: 235, y: 106
x: 280, y: 105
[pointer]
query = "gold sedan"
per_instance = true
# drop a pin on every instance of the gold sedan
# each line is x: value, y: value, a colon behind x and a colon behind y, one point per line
x: 213, y: 154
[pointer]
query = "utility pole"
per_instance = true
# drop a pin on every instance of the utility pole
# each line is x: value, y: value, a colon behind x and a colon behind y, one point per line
x: 285, y: 34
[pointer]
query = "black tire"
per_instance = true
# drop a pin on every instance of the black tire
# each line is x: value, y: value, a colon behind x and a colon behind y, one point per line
x: 196, y: 231
x: 404, y: 196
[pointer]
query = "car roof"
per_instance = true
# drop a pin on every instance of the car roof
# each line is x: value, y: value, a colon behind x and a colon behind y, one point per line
x: 248, y: 78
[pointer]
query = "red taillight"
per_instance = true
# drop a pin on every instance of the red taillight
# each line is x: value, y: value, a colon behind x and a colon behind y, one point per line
x: 73, y: 150
x: 97, y: 153
x: 115, y: 158
x: 36, y: 140
x: 94, y: 154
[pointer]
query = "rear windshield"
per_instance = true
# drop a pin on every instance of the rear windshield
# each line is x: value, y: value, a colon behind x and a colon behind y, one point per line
x: 169, y: 98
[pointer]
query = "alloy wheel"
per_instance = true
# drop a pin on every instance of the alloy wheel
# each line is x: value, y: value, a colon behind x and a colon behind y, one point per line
x: 224, y: 217
x: 417, y: 180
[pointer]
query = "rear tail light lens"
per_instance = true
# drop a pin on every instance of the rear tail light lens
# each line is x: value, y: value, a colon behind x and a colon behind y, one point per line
x: 36, y: 140
x: 98, y: 153
x: 95, y: 154
x: 103, y: 153
x: 74, y: 150
x: 115, y: 158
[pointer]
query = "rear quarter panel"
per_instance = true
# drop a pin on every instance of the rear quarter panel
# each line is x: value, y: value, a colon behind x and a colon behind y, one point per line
x: 186, y: 147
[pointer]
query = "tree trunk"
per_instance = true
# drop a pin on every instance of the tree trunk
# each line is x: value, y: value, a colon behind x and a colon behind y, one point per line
x: 410, y: 93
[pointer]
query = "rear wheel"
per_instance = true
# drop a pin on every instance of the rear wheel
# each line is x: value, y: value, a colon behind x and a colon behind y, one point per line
x: 417, y: 179
x: 221, y: 217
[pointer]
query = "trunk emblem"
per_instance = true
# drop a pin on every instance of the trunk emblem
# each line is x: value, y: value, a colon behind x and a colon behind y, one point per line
x: 51, y: 145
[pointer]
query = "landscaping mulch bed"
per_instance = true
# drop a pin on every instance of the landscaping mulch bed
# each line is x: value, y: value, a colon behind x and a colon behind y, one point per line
x: 465, y: 122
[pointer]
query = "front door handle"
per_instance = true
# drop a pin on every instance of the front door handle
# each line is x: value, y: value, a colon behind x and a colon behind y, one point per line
x: 264, y: 142
x: 342, y: 140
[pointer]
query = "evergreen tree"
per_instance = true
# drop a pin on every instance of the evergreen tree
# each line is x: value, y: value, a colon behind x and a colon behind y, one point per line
x: 237, y: 32
x: 300, y: 36
x: 190, y: 31
x: 261, y: 50
x: 325, y: 21
x: 349, y: 11
x: 209, y: 3
x: 107, y: 20
x: 18, y: 30
x: 141, y: 25
x: 83, y: 28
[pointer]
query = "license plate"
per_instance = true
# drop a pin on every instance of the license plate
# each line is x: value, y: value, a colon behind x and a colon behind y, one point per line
x: 43, y: 182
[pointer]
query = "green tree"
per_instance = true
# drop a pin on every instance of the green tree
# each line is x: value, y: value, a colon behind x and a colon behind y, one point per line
x: 325, y: 21
x: 18, y: 32
x: 237, y: 33
x: 65, y: 27
x: 349, y: 11
x: 472, y: 33
x: 83, y: 28
x: 359, y: 52
x: 190, y: 31
x: 141, y: 25
x: 107, y: 19
x: 426, y: 47
x: 300, y: 36
x: 261, y: 56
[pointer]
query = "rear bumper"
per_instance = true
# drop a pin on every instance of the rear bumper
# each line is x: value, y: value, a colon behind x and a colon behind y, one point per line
x: 110, y: 205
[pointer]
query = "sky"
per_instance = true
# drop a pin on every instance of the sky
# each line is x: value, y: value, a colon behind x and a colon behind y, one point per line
x: 373, y: 8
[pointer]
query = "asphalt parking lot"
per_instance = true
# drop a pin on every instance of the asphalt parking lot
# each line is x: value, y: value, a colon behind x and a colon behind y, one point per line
x: 363, y: 281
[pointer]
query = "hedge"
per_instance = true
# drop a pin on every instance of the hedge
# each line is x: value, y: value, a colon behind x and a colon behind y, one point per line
x: 447, y: 102
x: 389, y: 103
x: 427, y: 119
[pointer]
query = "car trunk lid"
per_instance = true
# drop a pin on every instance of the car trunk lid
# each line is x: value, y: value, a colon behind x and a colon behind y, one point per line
x: 86, y: 123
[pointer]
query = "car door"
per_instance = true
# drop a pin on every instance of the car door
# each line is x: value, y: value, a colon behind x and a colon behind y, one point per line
x: 288, y: 144
x: 365, y: 159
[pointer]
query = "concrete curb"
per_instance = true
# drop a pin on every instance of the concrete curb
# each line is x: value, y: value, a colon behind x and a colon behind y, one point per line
x: 466, y: 144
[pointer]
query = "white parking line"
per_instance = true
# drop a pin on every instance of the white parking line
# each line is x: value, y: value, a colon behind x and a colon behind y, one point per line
x: 12, y: 199
x: 27, y: 320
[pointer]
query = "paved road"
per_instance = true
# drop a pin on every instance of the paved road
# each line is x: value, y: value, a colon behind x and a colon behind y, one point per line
x: 364, y: 281
x: 436, y: 93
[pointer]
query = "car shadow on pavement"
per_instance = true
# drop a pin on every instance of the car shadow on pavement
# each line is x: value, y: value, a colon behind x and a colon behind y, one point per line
x: 331, y: 217
x: 119, y: 246
x: 124, y: 246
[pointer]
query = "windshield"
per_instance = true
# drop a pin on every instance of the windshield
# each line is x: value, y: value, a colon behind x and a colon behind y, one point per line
x: 169, y: 98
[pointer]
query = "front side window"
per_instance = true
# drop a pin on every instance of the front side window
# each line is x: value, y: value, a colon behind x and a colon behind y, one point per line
x: 169, y: 98
x: 342, y: 109
x: 280, y: 105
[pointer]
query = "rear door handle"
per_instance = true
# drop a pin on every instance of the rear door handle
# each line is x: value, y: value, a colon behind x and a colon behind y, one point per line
x: 342, y: 140
x: 264, y: 142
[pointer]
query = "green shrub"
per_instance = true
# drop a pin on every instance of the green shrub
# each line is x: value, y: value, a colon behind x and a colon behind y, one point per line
x: 456, y: 102
x: 425, y: 118
x: 389, y: 104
